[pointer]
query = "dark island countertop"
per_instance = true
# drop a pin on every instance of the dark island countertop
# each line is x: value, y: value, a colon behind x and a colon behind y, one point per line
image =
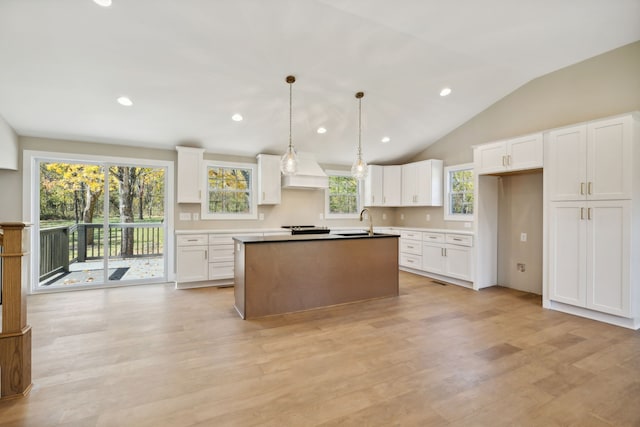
x: 310, y: 237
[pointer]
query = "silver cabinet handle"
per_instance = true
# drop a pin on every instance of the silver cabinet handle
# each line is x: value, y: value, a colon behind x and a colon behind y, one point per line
x: 509, y: 160
x: 205, y: 254
x: 588, y: 213
x: 582, y: 188
x: 589, y: 188
x: 457, y: 239
x: 581, y: 213
x: 504, y: 160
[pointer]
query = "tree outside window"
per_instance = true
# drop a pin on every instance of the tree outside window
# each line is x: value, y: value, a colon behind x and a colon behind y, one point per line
x: 459, y: 185
x: 343, y: 195
x: 229, y: 191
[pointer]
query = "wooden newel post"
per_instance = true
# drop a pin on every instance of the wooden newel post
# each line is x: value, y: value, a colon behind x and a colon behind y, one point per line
x: 15, y: 336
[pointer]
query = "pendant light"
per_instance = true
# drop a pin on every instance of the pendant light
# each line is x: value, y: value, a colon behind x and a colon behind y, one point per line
x: 359, y: 168
x: 289, y: 161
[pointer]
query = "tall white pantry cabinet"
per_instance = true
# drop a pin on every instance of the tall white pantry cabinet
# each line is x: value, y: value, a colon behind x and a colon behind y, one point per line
x: 592, y: 195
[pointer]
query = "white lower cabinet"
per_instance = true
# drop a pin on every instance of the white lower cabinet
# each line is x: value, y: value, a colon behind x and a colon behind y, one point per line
x: 410, y: 249
x: 590, y: 254
x: 192, y: 258
x: 208, y: 259
x: 448, y: 254
x: 442, y: 255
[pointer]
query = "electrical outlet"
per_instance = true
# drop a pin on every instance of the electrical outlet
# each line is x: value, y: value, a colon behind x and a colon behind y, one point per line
x: 320, y: 216
x: 261, y: 216
x: 185, y: 216
x: 384, y: 216
x: 401, y: 217
x: 521, y: 267
x: 196, y: 216
x: 428, y: 217
x: 523, y: 237
x: 467, y: 225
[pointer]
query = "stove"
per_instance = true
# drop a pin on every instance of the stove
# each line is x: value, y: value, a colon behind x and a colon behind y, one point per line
x: 306, y: 229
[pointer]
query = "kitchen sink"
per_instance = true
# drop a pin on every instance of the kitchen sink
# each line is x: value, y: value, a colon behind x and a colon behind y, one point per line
x: 362, y: 233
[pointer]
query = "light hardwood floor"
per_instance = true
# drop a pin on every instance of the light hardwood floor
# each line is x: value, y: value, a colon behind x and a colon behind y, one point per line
x: 436, y: 355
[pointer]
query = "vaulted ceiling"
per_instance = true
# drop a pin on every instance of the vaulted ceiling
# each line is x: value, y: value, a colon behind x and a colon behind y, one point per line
x: 189, y: 65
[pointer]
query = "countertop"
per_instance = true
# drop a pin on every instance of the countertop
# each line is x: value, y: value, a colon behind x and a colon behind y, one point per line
x: 381, y: 229
x: 308, y: 237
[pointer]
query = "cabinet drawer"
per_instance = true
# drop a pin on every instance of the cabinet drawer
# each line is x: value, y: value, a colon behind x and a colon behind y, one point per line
x: 432, y: 237
x: 413, y: 261
x: 221, y: 270
x: 415, y: 235
x: 220, y: 254
x: 460, y: 239
x: 411, y: 246
x: 220, y: 239
x: 191, y: 240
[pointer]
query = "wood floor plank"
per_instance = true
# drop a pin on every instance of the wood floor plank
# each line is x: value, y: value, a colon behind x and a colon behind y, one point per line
x: 436, y: 355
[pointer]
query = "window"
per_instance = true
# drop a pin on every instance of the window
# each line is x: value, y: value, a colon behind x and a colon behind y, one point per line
x: 458, y: 203
x: 343, y: 195
x: 229, y: 191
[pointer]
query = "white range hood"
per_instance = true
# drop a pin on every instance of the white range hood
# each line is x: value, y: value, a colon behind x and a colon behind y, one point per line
x: 310, y: 175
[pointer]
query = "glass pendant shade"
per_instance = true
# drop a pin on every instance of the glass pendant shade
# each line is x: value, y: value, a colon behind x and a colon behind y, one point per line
x: 359, y: 169
x: 289, y: 162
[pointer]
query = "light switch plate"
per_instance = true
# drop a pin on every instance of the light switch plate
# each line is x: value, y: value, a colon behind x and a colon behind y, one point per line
x: 185, y: 216
x: 261, y: 216
x: 523, y: 237
x: 196, y: 216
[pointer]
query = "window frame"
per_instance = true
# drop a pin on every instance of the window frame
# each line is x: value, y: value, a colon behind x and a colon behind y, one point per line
x: 448, y: 215
x: 253, y: 197
x: 359, y: 195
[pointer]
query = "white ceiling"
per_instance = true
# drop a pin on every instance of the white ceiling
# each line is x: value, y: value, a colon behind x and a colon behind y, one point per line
x: 189, y: 65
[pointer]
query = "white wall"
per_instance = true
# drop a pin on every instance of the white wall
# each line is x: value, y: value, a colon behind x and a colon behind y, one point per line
x: 8, y: 146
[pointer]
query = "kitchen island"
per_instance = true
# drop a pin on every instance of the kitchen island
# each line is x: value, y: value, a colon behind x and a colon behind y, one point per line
x: 284, y: 274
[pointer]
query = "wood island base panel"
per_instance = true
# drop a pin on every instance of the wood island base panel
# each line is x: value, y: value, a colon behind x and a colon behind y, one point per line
x: 284, y: 275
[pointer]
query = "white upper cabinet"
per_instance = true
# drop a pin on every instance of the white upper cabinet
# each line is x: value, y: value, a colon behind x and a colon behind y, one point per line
x: 189, y: 175
x: 422, y: 183
x: 591, y: 161
x: 382, y: 186
x: 522, y: 153
x: 269, y: 189
x: 373, y: 186
x: 392, y: 186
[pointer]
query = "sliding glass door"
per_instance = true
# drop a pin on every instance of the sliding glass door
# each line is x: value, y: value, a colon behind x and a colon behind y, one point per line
x: 100, y: 223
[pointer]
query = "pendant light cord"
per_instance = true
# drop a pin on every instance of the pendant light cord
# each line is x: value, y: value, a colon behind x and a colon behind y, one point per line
x: 359, y: 127
x: 290, y: 114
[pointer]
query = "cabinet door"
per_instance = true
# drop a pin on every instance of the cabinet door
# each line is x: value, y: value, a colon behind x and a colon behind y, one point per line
x: 269, y: 187
x: 192, y: 264
x: 392, y: 186
x: 457, y: 262
x: 566, y: 163
x: 609, y: 159
x: 490, y: 158
x: 567, y: 252
x: 433, y: 259
x: 608, y: 257
x: 409, y: 184
x: 189, y: 175
x: 373, y: 195
x: 525, y: 152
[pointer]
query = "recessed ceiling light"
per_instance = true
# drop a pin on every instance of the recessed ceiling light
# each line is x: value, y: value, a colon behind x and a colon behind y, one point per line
x: 321, y: 130
x: 103, y: 3
x: 446, y: 91
x: 385, y: 139
x: 125, y: 100
x: 237, y: 117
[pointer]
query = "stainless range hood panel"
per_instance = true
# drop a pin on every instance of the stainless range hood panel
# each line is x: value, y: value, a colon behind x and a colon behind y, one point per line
x: 310, y: 175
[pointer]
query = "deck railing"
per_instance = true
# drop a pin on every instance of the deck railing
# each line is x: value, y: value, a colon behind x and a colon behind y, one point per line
x: 62, y: 246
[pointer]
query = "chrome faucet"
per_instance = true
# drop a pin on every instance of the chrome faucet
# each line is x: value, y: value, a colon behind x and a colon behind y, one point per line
x: 370, y: 219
